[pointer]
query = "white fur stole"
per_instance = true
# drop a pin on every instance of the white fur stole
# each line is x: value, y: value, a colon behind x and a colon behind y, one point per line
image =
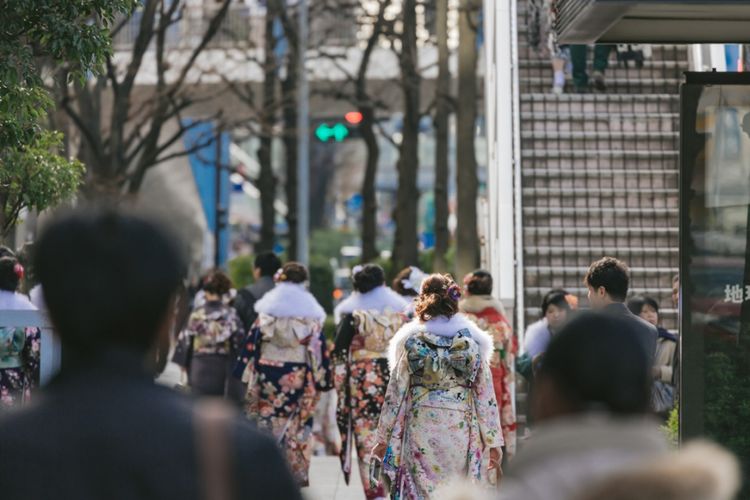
x: 290, y: 300
x: 378, y: 299
x: 442, y: 327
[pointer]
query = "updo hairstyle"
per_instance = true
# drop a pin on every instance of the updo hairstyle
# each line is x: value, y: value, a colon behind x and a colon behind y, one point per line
x: 439, y: 297
x: 10, y: 275
x: 292, y: 272
x: 217, y: 282
x: 478, y: 283
x: 368, y: 277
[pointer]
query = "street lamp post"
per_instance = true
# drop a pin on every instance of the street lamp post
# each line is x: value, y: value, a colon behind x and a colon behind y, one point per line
x: 303, y: 141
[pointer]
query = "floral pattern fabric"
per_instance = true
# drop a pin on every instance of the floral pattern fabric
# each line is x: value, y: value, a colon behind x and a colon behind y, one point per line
x: 19, y: 365
x: 361, y: 380
x: 439, y: 415
x: 285, y: 364
x: 502, y: 369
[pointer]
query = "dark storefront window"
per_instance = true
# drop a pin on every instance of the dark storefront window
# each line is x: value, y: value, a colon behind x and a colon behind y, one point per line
x: 715, y: 261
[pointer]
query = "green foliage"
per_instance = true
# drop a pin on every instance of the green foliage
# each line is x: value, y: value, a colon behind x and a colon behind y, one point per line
x: 329, y: 328
x: 321, y: 281
x: 72, y: 34
x: 240, y: 270
x: 671, y: 427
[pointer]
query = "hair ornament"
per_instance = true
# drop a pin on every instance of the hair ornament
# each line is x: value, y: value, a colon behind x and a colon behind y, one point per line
x: 279, y: 276
x: 357, y: 269
x: 19, y: 270
x: 454, y: 292
x: 415, y: 279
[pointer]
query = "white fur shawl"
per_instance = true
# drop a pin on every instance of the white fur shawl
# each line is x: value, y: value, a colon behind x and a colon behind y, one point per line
x: 378, y: 299
x: 290, y: 300
x: 442, y: 327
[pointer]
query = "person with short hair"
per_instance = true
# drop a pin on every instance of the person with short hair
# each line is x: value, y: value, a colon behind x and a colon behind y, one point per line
x: 103, y: 428
x: 591, y: 403
x: 440, y: 416
x: 369, y: 318
x: 209, y: 344
x: 285, y: 364
x: 555, y: 310
x: 264, y: 268
x: 488, y: 313
x: 19, y: 347
x: 665, y: 357
x: 607, y: 281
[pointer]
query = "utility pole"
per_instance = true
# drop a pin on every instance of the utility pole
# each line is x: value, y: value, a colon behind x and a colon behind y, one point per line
x: 221, y: 211
x: 303, y: 141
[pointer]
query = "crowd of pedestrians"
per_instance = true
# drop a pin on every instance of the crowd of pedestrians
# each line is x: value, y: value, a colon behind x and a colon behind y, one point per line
x: 423, y: 375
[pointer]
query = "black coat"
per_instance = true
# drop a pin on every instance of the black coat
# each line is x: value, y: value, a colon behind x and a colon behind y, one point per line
x: 108, y: 432
x: 644, y: 331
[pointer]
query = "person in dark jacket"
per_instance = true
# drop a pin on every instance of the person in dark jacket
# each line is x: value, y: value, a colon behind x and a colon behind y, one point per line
x: 265, y: 266
x: 608, y: 280
x: 102, y: 428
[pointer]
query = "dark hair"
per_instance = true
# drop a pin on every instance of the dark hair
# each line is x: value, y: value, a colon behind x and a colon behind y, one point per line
x: 108, y: 278
x: 368, y: 278
x: 478, y: 283
x: 555, y: 297
x: 611, y: 274
x: 268, y: 263
x: 294, y: 272
x: 597, y: 363
x: 9, y: 278
x: 217, y: 282
x: 439, y: 297
x: 398, y: 284
x: 636, y: 304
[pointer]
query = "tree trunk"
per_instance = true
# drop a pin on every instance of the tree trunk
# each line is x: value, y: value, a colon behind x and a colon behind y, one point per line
x: 467, y: 249
x: 442, y: 112
x: 407, y: 198
x: 289, y: 98
x: 369, y: 201
x: 266, y: 180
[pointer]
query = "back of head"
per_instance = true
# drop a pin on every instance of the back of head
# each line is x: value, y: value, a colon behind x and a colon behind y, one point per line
x: 594, y: 363
x: 402, y: 283
x: 217, y: 282
x: 611, y: 274
x: 108, y: 278
x: 11, y: 273
x: 367, y: 277
x: 439, y: 297
x: 293, y: 272
x: 478, y: 283
x: 267, y: 263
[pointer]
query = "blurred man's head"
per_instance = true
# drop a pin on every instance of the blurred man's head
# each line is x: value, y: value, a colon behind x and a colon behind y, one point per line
x: 593, y: 364
x: 108, y: 279
x: 607, y: 281
x: 266, y: 264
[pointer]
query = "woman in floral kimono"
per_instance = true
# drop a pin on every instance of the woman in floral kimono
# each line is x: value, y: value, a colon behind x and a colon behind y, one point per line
x: 207, y: 347
x: 489, y: 315
x: 285, y: 365
x: 440, y: 414
x: 369, y: 319
x: 19, y: 347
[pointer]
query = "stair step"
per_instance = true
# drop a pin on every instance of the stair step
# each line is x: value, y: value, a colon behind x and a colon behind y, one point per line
x: 559, y: 172
x: 583, y: 153
x: 536, y: 291
x: 552, y: 250
x: 619, y: 85
x: 598, y: 135
x: 582, y: 270
x: 656, y: 97
x: 585, y: 231
x: 663, y: 311
x: 575, y: 191
x: 552, y: 210
x: 650, y: 64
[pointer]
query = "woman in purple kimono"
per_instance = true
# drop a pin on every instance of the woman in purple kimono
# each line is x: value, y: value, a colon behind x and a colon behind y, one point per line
x: 285, y: 365
x: 19, y: 347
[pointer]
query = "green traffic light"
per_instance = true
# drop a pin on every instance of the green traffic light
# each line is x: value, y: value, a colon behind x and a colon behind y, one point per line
x: 337, y: 132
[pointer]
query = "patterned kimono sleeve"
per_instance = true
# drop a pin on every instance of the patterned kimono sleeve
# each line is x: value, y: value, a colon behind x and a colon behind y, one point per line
x: 183, y: 351
x: 238, y: 332
x: 31, y: 355
x: 398, y: 385
x: 323, y: 373
x: 248, y: 354
x: 488, y: 416
x: 345, y: 332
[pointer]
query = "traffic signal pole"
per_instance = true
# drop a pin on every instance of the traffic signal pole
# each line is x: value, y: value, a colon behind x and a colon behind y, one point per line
x: 303, y: 141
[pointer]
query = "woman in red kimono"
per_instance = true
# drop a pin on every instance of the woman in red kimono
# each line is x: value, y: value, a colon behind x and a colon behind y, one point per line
x: 489, y: 314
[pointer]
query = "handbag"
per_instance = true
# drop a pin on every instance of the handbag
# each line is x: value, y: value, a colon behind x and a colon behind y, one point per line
x: 662, y: 397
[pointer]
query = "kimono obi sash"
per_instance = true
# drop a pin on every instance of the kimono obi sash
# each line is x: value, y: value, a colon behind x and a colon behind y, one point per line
x: 442, y: 363
x: 12, y: 341
x: 374, y: 331
x: 285, y: 340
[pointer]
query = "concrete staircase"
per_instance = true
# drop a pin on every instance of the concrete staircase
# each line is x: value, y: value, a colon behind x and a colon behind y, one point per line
x: 600, y: 176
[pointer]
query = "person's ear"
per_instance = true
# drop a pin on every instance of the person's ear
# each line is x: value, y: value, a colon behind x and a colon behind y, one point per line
x: 601, y: 292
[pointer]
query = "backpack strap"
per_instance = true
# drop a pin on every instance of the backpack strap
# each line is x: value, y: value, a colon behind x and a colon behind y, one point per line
x: 212, y: 421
